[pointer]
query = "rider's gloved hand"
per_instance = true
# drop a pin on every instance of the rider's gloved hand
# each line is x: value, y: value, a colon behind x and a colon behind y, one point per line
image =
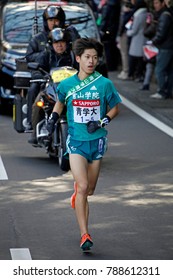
x: 51, y: 122
x: 92, y: 126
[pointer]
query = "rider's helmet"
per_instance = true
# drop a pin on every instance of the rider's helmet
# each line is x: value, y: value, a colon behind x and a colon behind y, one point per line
x: 54, y: 12
x: 59, y: 34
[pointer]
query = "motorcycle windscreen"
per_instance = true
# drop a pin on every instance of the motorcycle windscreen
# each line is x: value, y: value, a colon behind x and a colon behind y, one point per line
x: 61, y: 73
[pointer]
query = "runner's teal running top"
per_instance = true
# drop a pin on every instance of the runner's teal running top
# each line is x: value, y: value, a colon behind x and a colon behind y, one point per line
x: 87, y: 100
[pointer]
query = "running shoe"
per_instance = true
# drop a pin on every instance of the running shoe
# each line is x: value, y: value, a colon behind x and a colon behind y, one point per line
x: 157, y: 96
x: 86, y: 242
x: 73, y: 197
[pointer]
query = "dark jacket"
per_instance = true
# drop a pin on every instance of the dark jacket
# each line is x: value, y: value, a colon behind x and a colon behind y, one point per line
x: 39, y: 42
x: 110, y: 17
x: 164, y: 33
x: 50, y: 59
x: 125, y: 17
x: 36, y: 45
x: 151, y: 28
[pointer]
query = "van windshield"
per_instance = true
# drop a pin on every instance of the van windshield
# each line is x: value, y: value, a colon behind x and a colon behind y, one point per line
x: 18, y: 22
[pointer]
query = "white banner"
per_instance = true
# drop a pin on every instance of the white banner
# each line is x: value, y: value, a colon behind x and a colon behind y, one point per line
x: 89, y: 269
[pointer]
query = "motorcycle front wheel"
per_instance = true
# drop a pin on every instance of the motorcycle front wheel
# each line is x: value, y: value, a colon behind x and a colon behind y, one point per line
x: 63, y: 161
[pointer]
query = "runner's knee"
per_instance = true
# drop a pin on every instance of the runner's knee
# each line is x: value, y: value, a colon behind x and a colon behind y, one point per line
x: 82, y: 189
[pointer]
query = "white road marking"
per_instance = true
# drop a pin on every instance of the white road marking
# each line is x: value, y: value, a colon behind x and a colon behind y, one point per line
x: 149, y: 118
x: 20, y: 254
x: 3, y: 173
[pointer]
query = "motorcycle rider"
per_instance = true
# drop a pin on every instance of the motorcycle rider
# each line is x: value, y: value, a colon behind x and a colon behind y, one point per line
x: 59, y: 54
x: 53, y: 16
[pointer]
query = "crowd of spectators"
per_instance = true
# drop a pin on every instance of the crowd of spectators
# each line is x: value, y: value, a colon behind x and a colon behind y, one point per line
x: 126, y: 27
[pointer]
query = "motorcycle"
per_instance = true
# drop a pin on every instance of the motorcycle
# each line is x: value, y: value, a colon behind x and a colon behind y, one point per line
x: 54, y: 144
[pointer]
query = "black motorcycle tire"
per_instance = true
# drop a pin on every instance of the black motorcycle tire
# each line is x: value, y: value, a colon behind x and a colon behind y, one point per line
x: 63, y: 161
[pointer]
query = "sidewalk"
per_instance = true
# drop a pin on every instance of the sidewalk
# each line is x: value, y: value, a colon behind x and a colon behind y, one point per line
x: 161, y: 109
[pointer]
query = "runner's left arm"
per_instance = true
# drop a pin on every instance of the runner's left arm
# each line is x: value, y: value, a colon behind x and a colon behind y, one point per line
x: 112, y: 113
x: 58, y: 108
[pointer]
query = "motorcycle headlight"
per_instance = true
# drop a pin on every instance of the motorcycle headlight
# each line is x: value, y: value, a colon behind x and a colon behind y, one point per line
x: 40, y: 103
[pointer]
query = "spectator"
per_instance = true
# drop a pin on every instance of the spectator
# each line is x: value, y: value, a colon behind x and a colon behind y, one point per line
x: 136, y: 63
x: 93, y: 5
x: 109, y: 25
x: 101, y: 8
x: 163, y: 40
x: 149, y: 32
x: 123, y: 41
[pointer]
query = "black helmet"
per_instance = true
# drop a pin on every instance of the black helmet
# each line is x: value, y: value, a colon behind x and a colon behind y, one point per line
x: 59, y: 34
x: 54, y: 12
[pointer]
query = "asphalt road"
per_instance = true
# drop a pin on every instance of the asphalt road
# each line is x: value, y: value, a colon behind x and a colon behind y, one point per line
x: 131, y: 213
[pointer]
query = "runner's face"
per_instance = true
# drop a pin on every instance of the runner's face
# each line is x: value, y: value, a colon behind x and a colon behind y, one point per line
x: 88, y: 61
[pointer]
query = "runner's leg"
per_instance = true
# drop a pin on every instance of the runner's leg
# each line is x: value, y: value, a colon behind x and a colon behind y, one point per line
x: 85, y: 174
x: 79, y: 168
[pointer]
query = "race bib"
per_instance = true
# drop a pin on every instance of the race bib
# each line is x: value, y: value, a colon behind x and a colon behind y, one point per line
x: 86, y: 110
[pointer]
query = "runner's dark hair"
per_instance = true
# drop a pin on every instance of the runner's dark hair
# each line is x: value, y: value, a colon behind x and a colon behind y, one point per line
x: 82, y: 44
